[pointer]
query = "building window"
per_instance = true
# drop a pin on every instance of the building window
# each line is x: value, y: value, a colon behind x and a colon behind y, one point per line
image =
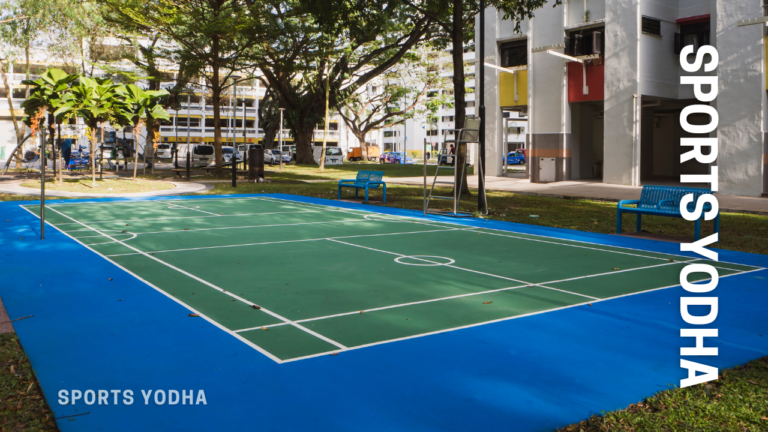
x: 514, y: 53
x: 469, y: 104
x: 447, y: 118
x: 651, y: 26
x: 585, y: 42
x: 516, y: 130
x: 433, y: 132
x: 390, y: 134
x: 692, y: 34
x: 433, y: 93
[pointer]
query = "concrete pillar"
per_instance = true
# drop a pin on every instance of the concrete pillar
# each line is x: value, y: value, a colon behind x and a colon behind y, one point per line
x: 739, y: 102
x: 549, y: 136
x: 622, y: 27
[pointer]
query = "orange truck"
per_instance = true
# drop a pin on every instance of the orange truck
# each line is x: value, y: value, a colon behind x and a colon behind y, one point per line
x: 356, y: 154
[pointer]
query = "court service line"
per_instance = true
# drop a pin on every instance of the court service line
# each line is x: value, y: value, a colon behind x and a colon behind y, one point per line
x: 541, y: 284
x: 392, y: 306
x: 205, y: 317
x: 464, y: 269
x: 252, y: 226
x: 356, y: 347
x: 87, y: 203
x: 203, y: 281
x: 284, y: 241
x: 189, y: 208
x: 469, y: 227
x: 187, y: 217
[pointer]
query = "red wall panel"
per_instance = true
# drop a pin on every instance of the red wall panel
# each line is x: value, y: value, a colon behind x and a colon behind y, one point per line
x: 595, y: 82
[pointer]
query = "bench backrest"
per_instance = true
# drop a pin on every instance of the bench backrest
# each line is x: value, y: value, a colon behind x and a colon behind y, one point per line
x: 653, y: 195
x: 364, y: 177
x: 471, y: 131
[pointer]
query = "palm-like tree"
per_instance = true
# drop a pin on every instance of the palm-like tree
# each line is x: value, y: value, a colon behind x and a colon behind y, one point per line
x: 95, y: 100
x: 141, y: 106
x: 47, y: 94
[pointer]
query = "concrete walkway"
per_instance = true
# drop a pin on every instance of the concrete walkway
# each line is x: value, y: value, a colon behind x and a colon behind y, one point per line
x: 585, y: 189
x: 14, y: 187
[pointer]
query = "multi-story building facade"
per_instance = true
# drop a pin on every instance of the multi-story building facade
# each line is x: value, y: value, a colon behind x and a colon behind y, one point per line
x: 410, y: 135
x: 599, y: 82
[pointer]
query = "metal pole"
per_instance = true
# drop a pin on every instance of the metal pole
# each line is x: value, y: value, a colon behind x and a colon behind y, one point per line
x: 189, y: 100
x: 176, y: 142
x: 256, y: 122
x: 425, y: 176
x: 481, y: 92
x: 245, y: 140
x: 42, y: 186
x: 233, y: 158
x: 281, y: 139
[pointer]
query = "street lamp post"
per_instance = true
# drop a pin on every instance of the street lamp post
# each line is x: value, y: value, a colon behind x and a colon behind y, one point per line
x: 281, y: 139
x: 481, y: 85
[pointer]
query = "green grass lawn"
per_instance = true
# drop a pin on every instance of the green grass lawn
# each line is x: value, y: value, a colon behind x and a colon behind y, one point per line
x: 736, y: 402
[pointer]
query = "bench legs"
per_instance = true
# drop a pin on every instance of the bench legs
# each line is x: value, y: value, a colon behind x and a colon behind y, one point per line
x: 385, y: 192
x: 697, y: 230
x: 639, y: 227
x: 618, y: 221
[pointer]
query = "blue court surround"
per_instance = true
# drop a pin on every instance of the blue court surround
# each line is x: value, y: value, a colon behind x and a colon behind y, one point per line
x: 534, y: 373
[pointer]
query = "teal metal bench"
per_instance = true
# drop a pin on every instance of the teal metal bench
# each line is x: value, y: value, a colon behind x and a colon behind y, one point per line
x: 664, y: 201
x: 365, y: 180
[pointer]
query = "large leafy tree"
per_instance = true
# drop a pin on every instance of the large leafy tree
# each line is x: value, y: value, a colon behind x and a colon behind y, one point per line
x: 456, y: 21
x: 222, y: 37
x: 344, y: 43
x: 410, y: 89
x: 141, y: 107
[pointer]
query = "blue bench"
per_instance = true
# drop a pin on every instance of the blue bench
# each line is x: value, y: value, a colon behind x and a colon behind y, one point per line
x: 365, y: 180
x: 664, y: 201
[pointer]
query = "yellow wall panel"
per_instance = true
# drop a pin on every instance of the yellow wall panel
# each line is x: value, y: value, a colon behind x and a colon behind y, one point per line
x: 507, y: 88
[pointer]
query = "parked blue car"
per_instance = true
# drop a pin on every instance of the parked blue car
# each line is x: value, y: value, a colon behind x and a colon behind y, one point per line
x: 515, y: 158
x: 395, y: 158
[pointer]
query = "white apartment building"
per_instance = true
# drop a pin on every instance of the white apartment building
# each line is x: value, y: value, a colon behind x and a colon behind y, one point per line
x: 614, y: 115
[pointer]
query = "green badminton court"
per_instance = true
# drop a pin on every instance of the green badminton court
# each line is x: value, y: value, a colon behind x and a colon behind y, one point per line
x: 295, y: 280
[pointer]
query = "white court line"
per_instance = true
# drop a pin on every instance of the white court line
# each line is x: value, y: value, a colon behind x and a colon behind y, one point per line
x: 467, y: 227
x: 251, y: 226
x: 299, y: 326
x: 541, y: 285
x: 464, y: 269
x: 189, y: 208
x: 85, y: 203
x: 497, y: 320
x: 284, y: 241
x: 215, y: 323
x: 187, y: 217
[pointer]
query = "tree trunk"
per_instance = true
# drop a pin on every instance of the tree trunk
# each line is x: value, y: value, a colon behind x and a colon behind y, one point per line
x: 363, y: 145
x: 136, y: 135
x: 325, y: 130
x: 216, y: 93
x: 302, y: 135
x: 26, y: 67
x: 459, y: 91
x: 19, y: 129
x: 151, y: 127
x: 93, y: 155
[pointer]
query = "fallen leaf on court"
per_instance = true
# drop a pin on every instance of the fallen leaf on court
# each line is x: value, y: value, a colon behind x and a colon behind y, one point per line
x: 333, y: 354
x: 671, y: 260
x: 124, y: 231
x: 186, y: 229
x: 8, y: 221
x: 11, y: 368
x: 110, y: 278
x: 488, y: 302
x: 615, y: 268
x: 362, y: 311
x: 127, y: 225
x: 265, y: 328
x: 30, y: 386
x: 256, y: 307
x: 590, y: 304
x: 194, y: 315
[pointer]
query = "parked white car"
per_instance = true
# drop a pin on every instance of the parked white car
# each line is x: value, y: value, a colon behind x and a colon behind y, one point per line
x: 164, y: 151
x: 333, y: 155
